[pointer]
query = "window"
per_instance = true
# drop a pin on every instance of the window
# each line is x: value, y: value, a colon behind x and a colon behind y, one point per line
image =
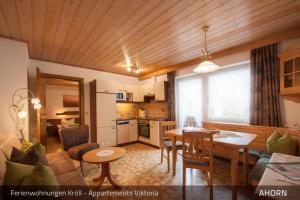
x: 229, y: 95
x: 189, y: 101
x: 222, y: 96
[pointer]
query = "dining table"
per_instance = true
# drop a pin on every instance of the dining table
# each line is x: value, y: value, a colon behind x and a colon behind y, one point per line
x: 225, y: 143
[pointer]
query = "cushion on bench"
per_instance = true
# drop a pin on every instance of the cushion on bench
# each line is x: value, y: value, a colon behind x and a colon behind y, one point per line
x: 259, y: 169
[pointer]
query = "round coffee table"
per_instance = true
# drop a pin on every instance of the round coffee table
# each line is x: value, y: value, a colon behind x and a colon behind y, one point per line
x: 103, y: 156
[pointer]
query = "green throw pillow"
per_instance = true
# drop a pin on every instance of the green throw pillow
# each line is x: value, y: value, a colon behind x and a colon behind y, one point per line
x: 16, y: 172
x: 41, y: 176
x: 26, y: 145
x: 39, y: 147
x: 281, y: 144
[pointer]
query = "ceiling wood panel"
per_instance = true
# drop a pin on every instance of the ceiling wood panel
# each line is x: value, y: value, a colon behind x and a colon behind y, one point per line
x: 108, y: 19
x: 69, y: 10
x: 39, y: 12
x: 92, y: 23
x: 117, y: 29
x: 188, y: 33
x: 3, y: 26
x: 241, y: 30
x: 24, y: 10
x: 54, y: 12
x: 78, y: 21
x: 156, y: 33
x: 196, y: 34
x: 11, y: 17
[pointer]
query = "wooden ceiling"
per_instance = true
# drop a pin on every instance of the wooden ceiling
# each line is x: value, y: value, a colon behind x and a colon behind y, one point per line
x: 106, y: 34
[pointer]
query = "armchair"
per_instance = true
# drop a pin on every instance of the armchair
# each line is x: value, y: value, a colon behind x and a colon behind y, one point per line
x: 75, y: 141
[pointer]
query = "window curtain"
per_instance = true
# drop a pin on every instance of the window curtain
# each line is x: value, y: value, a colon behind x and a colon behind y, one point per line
x: 264, y: 70
x: 171, y: 96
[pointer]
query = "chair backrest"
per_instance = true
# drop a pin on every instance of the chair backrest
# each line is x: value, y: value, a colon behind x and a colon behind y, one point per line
x: 190, y: 121
x: 165, y: 126
x: 168, y: 125
x: 197, y: 146
x: 74, y: 136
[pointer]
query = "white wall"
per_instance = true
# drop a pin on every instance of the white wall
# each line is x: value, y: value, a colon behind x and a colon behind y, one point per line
x: 13, y: 75
x: 54, y: 100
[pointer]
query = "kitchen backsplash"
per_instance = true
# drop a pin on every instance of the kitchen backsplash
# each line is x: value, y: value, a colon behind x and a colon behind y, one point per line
x: 127, y: 110
x: 155, y: 109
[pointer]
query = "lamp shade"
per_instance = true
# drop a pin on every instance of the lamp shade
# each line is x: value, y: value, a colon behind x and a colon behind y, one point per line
x: 22, y: 114
x: 37, y: 106
x: 35, y: 100
x: 206, y: 66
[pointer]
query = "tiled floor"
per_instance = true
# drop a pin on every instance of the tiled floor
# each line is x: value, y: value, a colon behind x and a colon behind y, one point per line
x: 141, y: 167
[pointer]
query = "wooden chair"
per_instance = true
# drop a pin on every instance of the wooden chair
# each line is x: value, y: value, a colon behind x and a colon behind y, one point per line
x: 166, y: 142
x: 197, y: 154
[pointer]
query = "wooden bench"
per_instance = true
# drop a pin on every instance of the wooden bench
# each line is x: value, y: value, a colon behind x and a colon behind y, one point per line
x: 262, y: 132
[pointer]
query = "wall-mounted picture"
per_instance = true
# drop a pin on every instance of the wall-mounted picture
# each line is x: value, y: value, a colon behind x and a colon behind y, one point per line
x: 71, y: 100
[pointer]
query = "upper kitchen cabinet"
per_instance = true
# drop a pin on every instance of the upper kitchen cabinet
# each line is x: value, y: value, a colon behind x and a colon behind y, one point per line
x: 119, y: 87
x: 290, y: 71
x: 160, y: 91
x: 146, y: 90
x: 106, y: 86
x: 135, y: 90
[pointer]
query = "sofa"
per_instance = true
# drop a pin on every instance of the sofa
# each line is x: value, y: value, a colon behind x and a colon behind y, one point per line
x: 60, y: 163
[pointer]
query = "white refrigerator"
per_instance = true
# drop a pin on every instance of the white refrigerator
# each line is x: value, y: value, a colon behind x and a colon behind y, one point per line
x: 106, y: 119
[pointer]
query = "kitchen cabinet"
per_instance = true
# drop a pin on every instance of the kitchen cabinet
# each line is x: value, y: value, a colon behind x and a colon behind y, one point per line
x: 290, y: 71
x: 146, y: 90
x: 135, y: 90
x: 119, y: 87
x: 154, y: 133
x: 133, y: 130
x: 102, y: 116
x: 106, y: 136
x: 106, y: 109
x: 123, y: 132
x: 106, y: 86
x: 160, y: 91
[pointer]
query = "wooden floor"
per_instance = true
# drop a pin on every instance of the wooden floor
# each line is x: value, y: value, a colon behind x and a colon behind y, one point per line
x: 141, y: 167
x: 54, y: 144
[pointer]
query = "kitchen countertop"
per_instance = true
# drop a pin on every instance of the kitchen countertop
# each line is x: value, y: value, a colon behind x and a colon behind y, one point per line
x: 141, y: 118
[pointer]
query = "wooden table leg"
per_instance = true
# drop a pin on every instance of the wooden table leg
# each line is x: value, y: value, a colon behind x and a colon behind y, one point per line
x: 245, y: 165
x: 234, y: 171
x: 174, y: 155
x: 105, y: 174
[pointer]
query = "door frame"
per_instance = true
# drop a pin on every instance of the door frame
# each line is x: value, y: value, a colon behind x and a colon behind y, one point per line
x: 81, y: 91
x: 41, y: 127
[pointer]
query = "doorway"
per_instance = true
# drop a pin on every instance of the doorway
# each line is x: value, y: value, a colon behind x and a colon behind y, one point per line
x: 62, y: 98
